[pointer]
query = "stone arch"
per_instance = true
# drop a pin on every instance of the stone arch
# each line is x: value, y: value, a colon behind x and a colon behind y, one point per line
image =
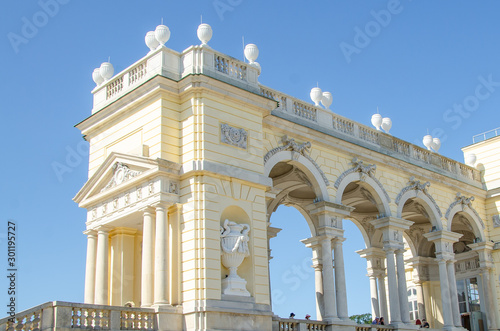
x: 306, y: 164
x: 375, y: 187
x: 411, y: 244
x: 278, y: 201
x: 428, y: 203
x: 364, y: 233
x: 470, y: 214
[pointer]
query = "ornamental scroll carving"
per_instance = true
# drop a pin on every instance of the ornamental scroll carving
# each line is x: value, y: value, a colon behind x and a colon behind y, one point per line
x: 121, y: 173
x: 365, y: 170
x: 303, y: 149
x: 419, y: 188
x: 233, y: 136
x: 464, y: 202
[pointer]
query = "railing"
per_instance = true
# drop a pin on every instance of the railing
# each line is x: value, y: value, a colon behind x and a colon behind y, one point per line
x: 65, y: 315
x: 230, y: 67
x: 486, y: 135
x: 88, y: 318
x: 371, y: 138
x: 286, y: 324
x: 467, y: 265
x: 26, y: 322
x: 132, y: 320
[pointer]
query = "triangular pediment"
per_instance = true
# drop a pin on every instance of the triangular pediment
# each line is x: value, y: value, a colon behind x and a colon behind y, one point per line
x: 118, y: 172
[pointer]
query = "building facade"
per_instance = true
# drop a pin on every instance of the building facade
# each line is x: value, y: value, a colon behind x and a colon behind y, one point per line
x: 190, y: 156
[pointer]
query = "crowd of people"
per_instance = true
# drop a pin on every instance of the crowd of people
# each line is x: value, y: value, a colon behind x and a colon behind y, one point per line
x: 421, y: 323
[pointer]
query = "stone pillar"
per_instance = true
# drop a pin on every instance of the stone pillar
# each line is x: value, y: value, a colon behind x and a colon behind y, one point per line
x: 402, y: 290
x: 161, y: 254
x: 393, y: 286
x: 494, y: 307
x: 340, y: 285
x: 318, y: 283
x: 382, y: 296
x: 90, y: 266
x: 374, y: 296
x: 445, y: 294
x: 329, y: 297
x: 147, y: 270
x: 101, y: 277
x: 488, y: 293
x: 453, y: 294
x: 420, y: 299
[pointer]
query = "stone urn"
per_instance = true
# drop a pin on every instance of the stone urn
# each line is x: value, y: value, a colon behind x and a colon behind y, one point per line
x: 234, y: 249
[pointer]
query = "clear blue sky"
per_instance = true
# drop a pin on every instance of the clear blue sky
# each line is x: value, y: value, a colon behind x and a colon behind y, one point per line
x: 415, y: 66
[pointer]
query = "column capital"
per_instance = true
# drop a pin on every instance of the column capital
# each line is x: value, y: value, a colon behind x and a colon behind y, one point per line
x: 330, y: 208
x: 161, y: 205
x: 90, y: 233
x: 338, y: 240
x: 484, y: 250
x: 392, y: 223
x: 147, y: 209
x: 272, y: 232
x: 104, y: 229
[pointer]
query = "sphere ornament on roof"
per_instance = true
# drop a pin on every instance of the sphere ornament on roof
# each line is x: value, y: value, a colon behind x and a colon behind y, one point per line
x: 377, y: 121
x: 386, y: 124
x: 432, y: 144
x: 151, y: 41
x: 316, y: 95
x: 204, y: 33
x: 103, y: 73
x: 251, y: 54
x: 326, y: 99
x: 162, y: 34
x: 470, y: 159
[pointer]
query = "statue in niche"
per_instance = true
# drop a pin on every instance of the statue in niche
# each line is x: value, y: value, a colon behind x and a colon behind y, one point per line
x: 234, y: 249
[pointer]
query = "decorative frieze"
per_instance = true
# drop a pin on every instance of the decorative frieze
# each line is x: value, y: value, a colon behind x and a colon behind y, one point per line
x: 464, y: 202
x: 233, y: 136
x: 419, y: 188
x: 496, y: 221
x: 365, y: 170
x: 121, y: 173
x: 303, y: 149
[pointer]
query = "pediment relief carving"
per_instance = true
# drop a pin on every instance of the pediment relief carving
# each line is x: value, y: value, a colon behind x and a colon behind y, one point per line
x: 121, y: 173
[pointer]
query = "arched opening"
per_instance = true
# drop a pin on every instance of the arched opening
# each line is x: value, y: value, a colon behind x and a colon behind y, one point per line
x: 292, y: 277
x: 364, y: 241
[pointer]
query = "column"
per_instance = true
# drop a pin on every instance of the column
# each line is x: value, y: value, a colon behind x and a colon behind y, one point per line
x: 487, y: 290
x: 161, y: 265
x: 402, y: 291
x: 101, y: 274
x: 90, y: 266
x: 445, y: 294
x: 382, y: 296
x: 420, y: 299
x: 453, y: 293
x: 340, y: 285
x: 328, y: 285
x: 393, y: 286
x: 318, y: 282
x: 147, y: 258
x: 374, y: 296
x: 493, y: 296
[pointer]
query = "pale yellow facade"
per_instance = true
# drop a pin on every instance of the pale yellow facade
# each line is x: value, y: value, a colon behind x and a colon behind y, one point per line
x: 191, y: 144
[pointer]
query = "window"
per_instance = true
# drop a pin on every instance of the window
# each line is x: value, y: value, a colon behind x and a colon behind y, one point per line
x: 468, y: 295
x: 412, y: 303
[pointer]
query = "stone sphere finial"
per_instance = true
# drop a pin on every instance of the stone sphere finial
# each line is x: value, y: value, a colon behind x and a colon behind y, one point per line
x: 204, y: 33
x: 106, y: 70
x: 326, y: 99
x: 436, y: 144
x: 151, y: 41
x: 386, y: 124
x: 251, y: 52
x: 377, y: 121
x: 96, y: 76
x: 427, y: 141
x: 316, y: 95
x: 162, y: 34
x: 470, y: 159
